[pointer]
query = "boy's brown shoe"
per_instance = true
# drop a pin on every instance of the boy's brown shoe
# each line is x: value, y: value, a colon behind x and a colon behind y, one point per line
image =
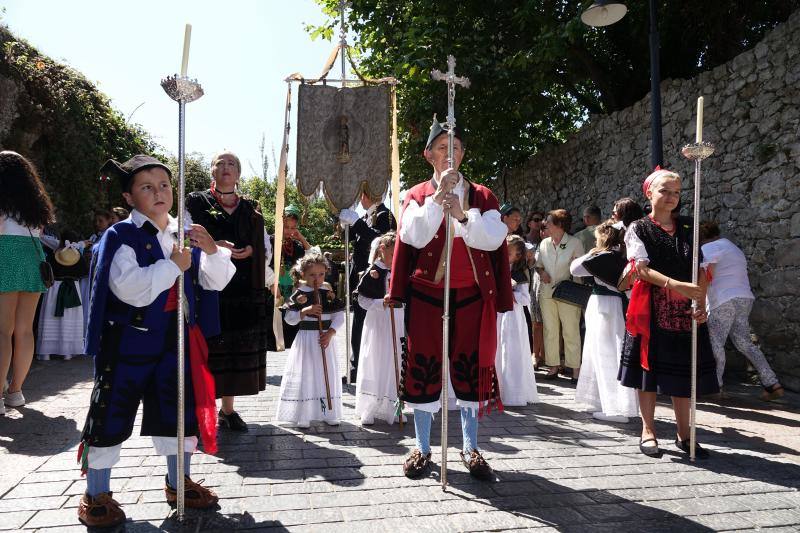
x: 196, y: 496
x: 100, y: 511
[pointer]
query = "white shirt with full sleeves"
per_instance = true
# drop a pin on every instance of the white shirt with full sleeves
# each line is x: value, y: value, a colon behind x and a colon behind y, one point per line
x: 140, y: 286
x: 482, y: 231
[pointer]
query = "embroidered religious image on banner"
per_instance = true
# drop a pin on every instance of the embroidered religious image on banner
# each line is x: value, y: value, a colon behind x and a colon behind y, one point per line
x: 343, y: 139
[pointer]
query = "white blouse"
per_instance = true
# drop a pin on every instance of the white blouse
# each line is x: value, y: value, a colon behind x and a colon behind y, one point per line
x: 10, y: 226
x: 482, y: 231
x: 140, y: 286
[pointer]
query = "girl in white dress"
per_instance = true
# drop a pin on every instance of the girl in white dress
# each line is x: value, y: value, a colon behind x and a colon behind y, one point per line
x: 376, y: 391
x: 513, y: 361
x: 303, y: 396
x: 605, y: 329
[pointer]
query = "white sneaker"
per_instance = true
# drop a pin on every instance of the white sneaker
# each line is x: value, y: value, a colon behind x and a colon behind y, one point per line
x: 14, y: 399
x: 610, y: 418
x: 332, y: 422
x: 367, y: 420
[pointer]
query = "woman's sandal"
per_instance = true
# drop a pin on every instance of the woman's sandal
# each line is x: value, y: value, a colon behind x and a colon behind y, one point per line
x: 651, y: 450
x: 772, y: 393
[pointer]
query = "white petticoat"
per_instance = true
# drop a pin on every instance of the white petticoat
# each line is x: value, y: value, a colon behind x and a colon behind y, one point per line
x: 513, y: 360
x: 376, y: 390
x: 59, y: 335
x: 597, y: 386
x: 302, y: 395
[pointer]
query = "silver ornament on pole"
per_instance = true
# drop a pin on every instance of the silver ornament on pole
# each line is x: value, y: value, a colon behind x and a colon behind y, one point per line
x: 695, y: 152
x: 183, y: 90
x: 452, y: 80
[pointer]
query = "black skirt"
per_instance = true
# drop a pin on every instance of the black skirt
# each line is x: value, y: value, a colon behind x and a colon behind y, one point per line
x: 238, y: 357
x: 669, y: 359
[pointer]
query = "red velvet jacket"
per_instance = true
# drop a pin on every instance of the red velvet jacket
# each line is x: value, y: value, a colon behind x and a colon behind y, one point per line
x: 491, y: 268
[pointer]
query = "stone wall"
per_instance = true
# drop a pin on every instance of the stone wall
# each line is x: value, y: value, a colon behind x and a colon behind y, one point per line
x: 751, y: 184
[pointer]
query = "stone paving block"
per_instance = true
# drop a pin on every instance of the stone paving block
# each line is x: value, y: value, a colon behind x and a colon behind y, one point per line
x: 53, y: 518
x: 14, y: 519
x: 771, y: 518
x: 33, y: 490
x: 32, y: 504
x: 308, y: 516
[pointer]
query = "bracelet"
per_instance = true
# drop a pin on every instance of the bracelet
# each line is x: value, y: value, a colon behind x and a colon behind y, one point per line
x: 464, y: 220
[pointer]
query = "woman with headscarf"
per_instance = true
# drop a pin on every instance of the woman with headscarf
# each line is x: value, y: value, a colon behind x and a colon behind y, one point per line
x: 656, y: 352
x: 238, y: 356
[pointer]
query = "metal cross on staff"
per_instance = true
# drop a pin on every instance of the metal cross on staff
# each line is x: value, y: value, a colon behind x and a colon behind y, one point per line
x: 452, y: 80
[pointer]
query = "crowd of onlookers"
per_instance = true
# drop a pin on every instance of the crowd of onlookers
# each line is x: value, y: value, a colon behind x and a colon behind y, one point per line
x: 556, y: 328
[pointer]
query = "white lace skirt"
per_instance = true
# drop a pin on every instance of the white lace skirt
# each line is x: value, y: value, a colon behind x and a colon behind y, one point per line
x: 513, y: 359
x: 376, y: 391
x: 302, y: 397
x: 59, y: 335
x: 597, y: 386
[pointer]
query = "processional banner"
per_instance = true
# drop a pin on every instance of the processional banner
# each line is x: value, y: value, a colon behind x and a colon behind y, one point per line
x: 343, y: 141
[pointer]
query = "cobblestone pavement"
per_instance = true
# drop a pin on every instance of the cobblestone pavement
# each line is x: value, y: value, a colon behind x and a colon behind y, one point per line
x: 557, y: 469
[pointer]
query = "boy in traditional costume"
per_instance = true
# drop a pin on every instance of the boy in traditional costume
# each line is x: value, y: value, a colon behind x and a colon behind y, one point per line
x: 132, y: 335
x: 480, y: 287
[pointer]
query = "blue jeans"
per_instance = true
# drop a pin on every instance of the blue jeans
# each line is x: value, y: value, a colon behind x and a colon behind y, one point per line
x: 469, y: 430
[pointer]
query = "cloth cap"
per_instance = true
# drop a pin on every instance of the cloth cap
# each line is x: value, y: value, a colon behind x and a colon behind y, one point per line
x: 657, y: 173
x: 506, y: 208
x: 437, y: 129
x: 292, y: 210
x: 124, y: 172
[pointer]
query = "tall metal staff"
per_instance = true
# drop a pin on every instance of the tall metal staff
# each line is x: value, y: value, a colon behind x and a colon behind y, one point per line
x: 696, y: 152
x: 452, y: 80
x: 342, y: 53
x: 183, y: 90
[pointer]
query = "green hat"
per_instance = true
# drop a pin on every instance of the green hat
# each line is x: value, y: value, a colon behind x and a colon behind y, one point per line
x: 507, y: 208
x: 438, y: 129
x: 292, y: 210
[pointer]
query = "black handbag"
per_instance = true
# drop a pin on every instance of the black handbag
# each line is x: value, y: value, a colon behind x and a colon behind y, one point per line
x: 45, y: 270
x: 572, y: 293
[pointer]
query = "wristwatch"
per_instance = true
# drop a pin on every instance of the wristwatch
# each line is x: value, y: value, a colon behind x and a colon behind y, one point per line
x: 464, y: 220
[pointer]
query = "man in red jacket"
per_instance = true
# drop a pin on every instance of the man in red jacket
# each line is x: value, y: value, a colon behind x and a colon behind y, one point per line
x: 480, y: 287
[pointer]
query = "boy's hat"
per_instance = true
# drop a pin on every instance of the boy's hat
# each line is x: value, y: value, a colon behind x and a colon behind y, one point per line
x: 124, y: 172
x: 438, y: 129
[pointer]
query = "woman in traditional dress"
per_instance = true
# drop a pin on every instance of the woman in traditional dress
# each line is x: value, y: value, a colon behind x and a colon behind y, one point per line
x: 656, y: 354
x: 513, y: 359
x: 24, y: 209
x: 238, y: 356
x: 605, y: 328
x: 61, y: 327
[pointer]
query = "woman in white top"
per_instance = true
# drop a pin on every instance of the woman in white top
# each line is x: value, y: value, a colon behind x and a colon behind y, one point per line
x: 25, y: 208
x: 553, y: 258
x: 730, y: 301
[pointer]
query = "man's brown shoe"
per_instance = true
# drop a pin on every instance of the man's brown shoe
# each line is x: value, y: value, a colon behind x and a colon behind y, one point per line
x: 100, y: 511
x: 417, y: 465
x: 477, y: 465
x: 196, y: 496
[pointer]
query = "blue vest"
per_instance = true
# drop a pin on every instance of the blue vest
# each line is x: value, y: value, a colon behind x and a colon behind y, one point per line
x: 145, y: 327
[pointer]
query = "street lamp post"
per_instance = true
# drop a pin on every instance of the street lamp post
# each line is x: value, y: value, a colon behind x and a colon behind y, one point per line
x: 604, y: 13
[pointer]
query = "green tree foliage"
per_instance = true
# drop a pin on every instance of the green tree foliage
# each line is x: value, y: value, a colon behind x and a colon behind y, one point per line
x: 197, y: 171
x: 537, y: 71
x: 68, y: 128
